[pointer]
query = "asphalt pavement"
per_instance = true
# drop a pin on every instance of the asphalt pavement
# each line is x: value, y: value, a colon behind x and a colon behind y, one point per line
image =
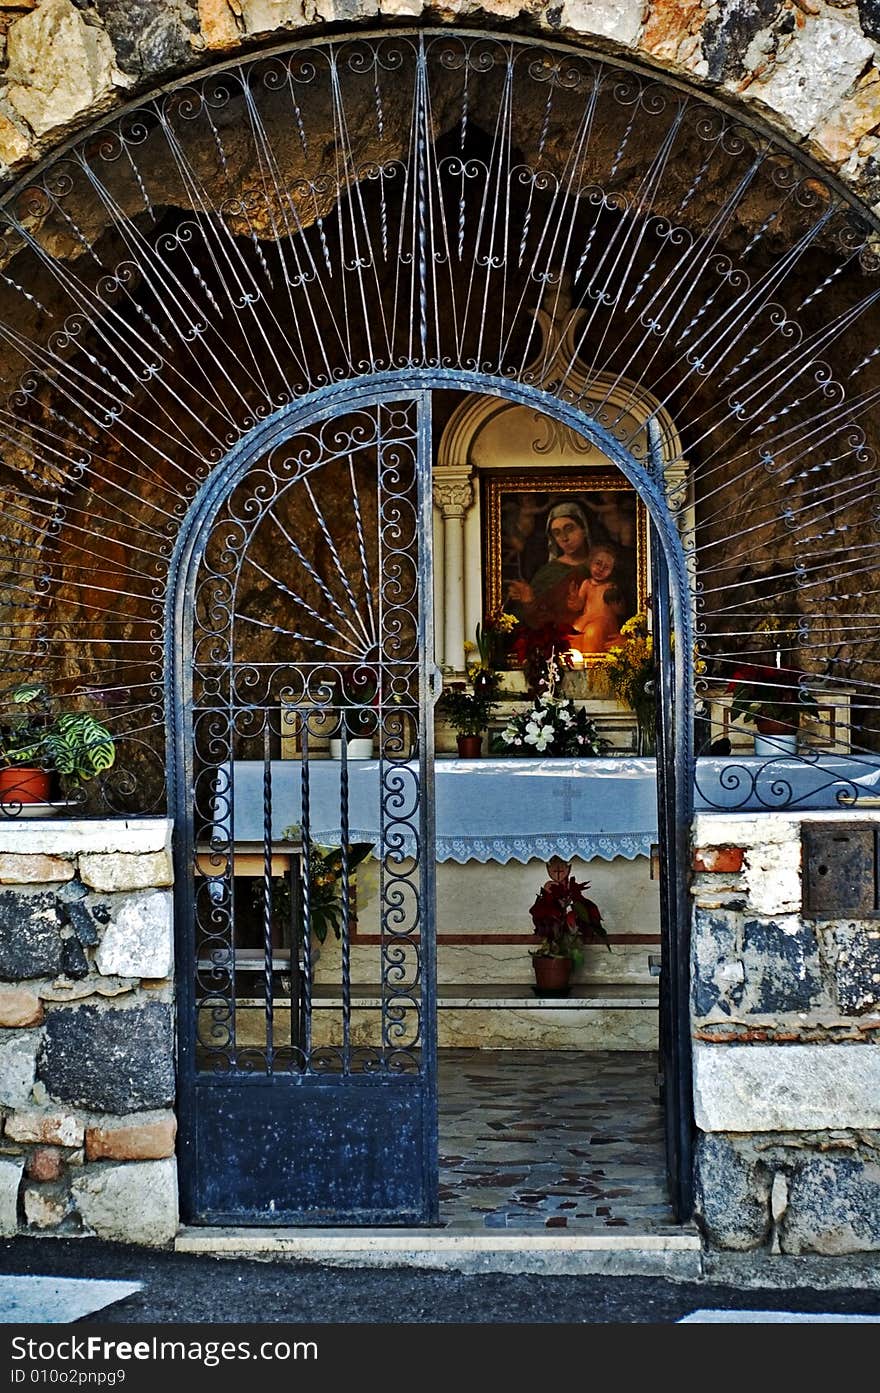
x: 184, y: 1288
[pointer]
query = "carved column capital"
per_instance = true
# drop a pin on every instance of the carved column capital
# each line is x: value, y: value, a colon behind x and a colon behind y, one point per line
x: 453, y: 491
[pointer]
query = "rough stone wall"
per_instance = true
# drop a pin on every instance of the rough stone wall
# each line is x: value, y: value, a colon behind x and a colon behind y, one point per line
x: 87, y: 1073
x: 811, y: 68
x: 786, y: 1029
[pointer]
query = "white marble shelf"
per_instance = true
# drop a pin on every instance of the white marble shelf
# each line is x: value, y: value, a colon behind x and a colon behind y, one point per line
x: 586, y: 996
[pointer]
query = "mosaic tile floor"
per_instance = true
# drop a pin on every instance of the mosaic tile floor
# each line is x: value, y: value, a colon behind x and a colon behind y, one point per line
x: 533, y: 1139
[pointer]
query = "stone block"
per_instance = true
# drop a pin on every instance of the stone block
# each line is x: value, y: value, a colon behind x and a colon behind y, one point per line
x: 45, y: 1163
x: 34, y: 870
x: 49, y: 1128
x: 14, y: 144
x: 110, y: 1059
x: 773, y: 878
x: 11, y: 1172
x: 833, y: 1206
x: 139, y: 940
x: 86, y: 918
x: 218, y: 24
x: 18, y: 1054
x: 857, y: 968
x: 46, y: 1206
x: 74, y: 963
x: 124, y: 871
x: 745, y: 830
x: 618, y: 20
x: 149, y: 38
x: 782, y: 969
x: 731, y: 1195
x: 74, y: 837
x: 130, y: 1203
x: 138, y: 1138
x: 30, y: 942
x: 786, y: 1088
x: 19, y: 1007
x: 58, y: 67
x: 822, y: 62
x: 716, y: 968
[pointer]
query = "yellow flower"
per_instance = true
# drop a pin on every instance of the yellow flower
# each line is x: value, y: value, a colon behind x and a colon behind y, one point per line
x: 469, y: 647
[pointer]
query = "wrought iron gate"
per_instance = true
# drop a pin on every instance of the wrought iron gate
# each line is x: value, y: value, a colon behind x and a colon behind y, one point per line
x: 303, y: 630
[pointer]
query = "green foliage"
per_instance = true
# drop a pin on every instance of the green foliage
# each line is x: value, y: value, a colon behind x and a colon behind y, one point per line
x: 469, y: 709
x: 73, y: 743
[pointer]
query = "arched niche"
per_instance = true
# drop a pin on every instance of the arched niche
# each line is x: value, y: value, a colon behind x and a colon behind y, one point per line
x: 487, y: 436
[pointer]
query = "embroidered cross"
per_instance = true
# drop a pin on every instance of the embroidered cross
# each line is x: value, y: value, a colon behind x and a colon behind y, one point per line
x: 568, y: 790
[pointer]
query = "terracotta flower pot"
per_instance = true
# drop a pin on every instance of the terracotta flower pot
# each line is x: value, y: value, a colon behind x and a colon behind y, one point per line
x: 469, y: 746
x: 21, y: 785
x: 552, y: 975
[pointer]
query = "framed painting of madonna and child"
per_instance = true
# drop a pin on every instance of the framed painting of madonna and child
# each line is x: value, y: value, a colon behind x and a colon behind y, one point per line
x: 566, y: 548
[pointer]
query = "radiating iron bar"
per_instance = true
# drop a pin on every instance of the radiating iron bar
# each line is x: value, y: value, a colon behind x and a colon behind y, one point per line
x: 224, y: 253
x: 283, y: 589
x: 569, y: 187
x: 634, y: 229
x: 350, y: 194
x: 314, y: 576
x: 362, y: 549
x: 292, y: 633
x: 117, y: 333
x: 267, y: 897
x: 624, y: 240
x: 336, y: 559
x: 423, y: 141
x: 293, y: 231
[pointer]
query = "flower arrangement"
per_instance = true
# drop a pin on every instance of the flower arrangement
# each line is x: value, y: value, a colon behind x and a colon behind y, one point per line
x: 563, y: 917
x: 629, y: 673
x: 771, y: 695
x: 553, y: 726
x: 325, y: 884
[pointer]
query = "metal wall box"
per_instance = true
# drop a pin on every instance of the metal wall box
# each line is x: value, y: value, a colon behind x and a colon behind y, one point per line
x: 840, y: 862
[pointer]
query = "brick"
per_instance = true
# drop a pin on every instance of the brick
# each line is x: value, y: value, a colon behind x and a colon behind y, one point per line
x: 136, y: 1141
x: 19, y: 1007
x: 720, y: 860
x: 44, y: 1163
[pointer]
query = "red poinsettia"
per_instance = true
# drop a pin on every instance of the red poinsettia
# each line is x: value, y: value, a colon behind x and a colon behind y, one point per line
x: 563, y: 917
x: 763, y: 693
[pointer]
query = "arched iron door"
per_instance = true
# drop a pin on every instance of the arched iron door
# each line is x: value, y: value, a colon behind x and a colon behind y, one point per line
x: 305, y: 845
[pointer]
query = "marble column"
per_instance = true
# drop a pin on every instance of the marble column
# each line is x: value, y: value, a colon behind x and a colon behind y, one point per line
x: 453, y: 495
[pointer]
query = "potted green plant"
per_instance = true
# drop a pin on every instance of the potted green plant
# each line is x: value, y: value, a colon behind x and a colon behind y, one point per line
x: 469, y: 710
x: 564, y: 920
x: 36, y: 741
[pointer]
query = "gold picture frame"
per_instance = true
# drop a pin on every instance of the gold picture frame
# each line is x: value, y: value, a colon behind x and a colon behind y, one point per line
x: 526, y: 532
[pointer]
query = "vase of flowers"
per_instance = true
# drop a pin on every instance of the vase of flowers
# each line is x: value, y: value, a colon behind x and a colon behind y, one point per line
x: 773, y: 699
x: 553, y: 726
x: 629, y: 674
x: 564, y: 921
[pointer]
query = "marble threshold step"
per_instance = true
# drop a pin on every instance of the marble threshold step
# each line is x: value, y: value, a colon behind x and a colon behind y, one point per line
x: 464, y: 1247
